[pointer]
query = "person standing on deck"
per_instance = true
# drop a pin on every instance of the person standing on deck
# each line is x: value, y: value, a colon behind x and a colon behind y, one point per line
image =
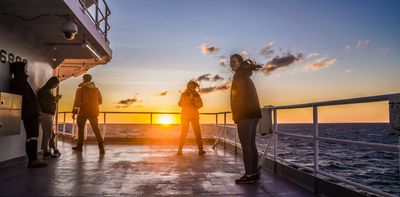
x: 48, y: 104
x: 86, y: 105
x: 191, y: 102
x: 30, y: 111
x: 246, y: 112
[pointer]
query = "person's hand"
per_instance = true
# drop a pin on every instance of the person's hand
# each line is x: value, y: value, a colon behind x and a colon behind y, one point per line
x: 73, y: 116
x: 58, y: 97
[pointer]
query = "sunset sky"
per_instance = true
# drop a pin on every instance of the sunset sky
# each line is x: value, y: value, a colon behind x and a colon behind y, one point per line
x: 311, y: 50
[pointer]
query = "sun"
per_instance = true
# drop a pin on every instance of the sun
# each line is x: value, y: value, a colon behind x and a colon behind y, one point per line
x: 165, y: 119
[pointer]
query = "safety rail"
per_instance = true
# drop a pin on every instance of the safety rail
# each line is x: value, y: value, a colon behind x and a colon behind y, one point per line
x: 100, y: 18
x: 316, y: 138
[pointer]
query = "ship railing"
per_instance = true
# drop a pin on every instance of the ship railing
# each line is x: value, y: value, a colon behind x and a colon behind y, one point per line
x: 99, y: 13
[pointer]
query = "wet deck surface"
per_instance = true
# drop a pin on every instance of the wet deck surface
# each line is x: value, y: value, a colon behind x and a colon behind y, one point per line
x: 141, y: 170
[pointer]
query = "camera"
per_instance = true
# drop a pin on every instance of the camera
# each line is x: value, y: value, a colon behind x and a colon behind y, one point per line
x: 69, y: 29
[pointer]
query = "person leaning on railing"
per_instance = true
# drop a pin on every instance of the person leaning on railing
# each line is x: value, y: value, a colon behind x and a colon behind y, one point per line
x: 246, y: 112
x: 86, y: 105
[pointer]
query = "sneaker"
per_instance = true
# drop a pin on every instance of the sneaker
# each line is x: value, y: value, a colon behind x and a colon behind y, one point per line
x: 46, y: 154
x: 245, y: 180
x: 179, y: 153
x: 202, y: 152
x: 36, y: 164
x: 56, y: 153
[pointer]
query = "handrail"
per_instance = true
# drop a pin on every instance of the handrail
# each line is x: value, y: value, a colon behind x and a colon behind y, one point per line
x: 99, y: 17
x: 315, y: 137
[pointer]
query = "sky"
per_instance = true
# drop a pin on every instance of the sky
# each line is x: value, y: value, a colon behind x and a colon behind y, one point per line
x: 310, y: 51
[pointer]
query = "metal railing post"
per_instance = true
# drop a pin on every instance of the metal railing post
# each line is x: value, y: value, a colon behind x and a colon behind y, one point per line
x: 64, y: 123
x: 316, y: 142
x: 276, y: 135
x: 104, y: 125
x: 224, y: 130
x: 151, y: 124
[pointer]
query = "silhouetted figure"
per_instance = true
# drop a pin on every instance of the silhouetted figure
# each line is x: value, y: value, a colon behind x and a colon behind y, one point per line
x: 86, y: 105
x: 48, y: 104
x: 191, y: 102
x: 30, y: 111
x: 246, y: 113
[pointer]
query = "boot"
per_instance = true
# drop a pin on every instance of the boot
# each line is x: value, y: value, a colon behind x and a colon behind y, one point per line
x: 101, y: 149
x: 78, y: 148
x: 36, y: 164
x: 202, y: 152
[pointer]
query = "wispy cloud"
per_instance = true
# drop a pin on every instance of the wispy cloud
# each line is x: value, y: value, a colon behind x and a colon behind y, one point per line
x: 208, y: 49
x: 363, y: 43
x: 347, y: 47
x: 245, y: 54
x: 125, y: 103
x: 222, y: 61
x: 267, y: 51
x: 209, y: 77
x: 383, y: 50
x: 217, y: 88
x: 348, y: 71
x: 320, y: 63
x: 283, y: 61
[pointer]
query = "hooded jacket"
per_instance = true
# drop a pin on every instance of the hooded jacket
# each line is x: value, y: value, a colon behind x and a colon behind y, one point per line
x: 19, y: 85
x: 87, y: 100
x: 191, y: 102
x: 244, y: 98
x: 48, y: 102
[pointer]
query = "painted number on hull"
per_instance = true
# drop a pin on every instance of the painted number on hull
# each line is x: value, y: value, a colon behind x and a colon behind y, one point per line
x: 10, y: 57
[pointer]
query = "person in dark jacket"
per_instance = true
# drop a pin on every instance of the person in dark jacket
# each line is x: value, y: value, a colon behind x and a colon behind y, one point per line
x: 48, y: 104
x: 86, y: 105
x: 30, y: 111
x: 191, y: 102
x: 246, y: 112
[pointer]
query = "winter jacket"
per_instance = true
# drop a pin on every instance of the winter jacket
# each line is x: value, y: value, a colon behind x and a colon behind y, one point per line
x: 19, y: 85
x: 191, y: 102
x: 87, y: 100
x: 48, y: 102
x: 244, y: 98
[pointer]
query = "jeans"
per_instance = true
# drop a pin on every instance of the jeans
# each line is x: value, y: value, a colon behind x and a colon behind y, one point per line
x: 185, y: 128
x: 247, y: 136
x: 94, y: 122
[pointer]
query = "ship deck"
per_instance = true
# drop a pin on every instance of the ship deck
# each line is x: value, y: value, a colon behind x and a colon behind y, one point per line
x: 141, y: 170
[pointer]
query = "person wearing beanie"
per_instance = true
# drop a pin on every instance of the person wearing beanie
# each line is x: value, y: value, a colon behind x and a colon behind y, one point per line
x: 191, y: 102
x: 48, y: 104
x: 30, y: 111
x: 86, y: 105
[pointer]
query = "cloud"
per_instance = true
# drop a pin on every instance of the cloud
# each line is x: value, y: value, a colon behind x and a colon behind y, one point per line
x: 363, y: 43
x: 383, y: 50
x: 278, y: 62
x: 267, y: 51
x: 222, y: 61
x: 217, y: 88
x: 127, y: 102
x: 347, y: 47
x: 348, y: 71
x: 310, y: 55
x: 165, y: 93
x: 209, y: 77
x: 208, y: 49
x: 320, y: 63
x: 245, y: 54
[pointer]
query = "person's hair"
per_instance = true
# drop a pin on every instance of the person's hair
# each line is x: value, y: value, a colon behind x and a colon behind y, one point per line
x: 191, y: 82
x: 238, y: 57
x: 251, y: 64
x: 87, y: 77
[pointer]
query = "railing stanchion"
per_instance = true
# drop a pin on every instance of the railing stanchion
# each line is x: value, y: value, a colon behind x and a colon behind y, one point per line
x: 276, y: 135
x: 64, y: 124
x: 316, y: 142
x: 224, y: 130
x: 104, y: 125
x: 151, y: 124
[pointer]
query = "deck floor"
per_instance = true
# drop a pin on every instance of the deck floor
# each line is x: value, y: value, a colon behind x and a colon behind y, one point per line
x: 141, y: 170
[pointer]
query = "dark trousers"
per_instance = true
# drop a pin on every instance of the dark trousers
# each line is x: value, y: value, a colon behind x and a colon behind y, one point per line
x: 81, y: 121
x: 185, y: 128
x: 31, y: 125
x: 247, y: 136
